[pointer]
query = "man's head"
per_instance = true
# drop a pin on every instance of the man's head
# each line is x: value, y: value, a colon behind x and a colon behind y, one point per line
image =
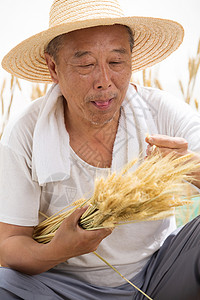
x: 93, y: 69
x: 154, y: 39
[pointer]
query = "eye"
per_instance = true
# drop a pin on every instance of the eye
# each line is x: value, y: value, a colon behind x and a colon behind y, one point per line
x: 116, y: 65
x: 115, y: 62
x: 86, y: 66
x: 85, y: 69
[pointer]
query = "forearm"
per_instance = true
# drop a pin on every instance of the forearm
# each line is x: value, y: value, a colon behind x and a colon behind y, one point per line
x: 24, y: 254
x: 19, y: 251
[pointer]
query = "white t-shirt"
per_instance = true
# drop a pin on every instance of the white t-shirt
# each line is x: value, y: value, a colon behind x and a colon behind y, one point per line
x: 129, y: 247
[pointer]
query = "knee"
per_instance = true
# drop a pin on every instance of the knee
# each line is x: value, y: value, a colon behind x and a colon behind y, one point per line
x: 4, y: 272
x: 8, y: 279
x: 7, y: 276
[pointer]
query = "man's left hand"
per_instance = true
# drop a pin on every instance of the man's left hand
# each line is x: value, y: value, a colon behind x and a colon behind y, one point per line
x: 166, y: 144
x: 176, y: 145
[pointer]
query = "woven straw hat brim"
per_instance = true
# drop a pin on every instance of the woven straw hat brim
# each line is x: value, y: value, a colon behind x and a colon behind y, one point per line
x: 154, y: 40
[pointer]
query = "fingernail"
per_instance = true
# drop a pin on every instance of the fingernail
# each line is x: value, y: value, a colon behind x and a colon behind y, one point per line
x: 150, y: 140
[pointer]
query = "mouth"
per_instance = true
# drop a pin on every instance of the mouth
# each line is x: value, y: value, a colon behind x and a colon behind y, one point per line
x: 102, y: 104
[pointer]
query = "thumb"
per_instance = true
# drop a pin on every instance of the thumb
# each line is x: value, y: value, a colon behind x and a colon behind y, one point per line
x: 75, y: 216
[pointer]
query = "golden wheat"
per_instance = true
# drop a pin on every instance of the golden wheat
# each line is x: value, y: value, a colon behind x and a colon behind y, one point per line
x: 193, y: 68
x: 150, y: 192
x: 37, y: 91
x: 5, y: 113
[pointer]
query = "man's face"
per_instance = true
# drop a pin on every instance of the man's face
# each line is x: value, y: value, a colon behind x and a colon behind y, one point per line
x: 93, y: 69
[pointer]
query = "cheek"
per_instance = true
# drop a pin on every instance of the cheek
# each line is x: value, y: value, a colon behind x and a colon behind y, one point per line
x: 82, y: 83
x: 124, y: 76
x: 74, y: 87
x: 122, y: 80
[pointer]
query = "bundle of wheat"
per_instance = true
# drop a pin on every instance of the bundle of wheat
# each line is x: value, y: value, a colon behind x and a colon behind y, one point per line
x: 148, y: 193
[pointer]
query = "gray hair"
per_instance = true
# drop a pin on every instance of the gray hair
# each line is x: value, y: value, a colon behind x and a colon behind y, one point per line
x: 54, y: 45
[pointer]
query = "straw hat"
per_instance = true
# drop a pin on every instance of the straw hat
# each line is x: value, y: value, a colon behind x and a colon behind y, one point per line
x: 155, y: 39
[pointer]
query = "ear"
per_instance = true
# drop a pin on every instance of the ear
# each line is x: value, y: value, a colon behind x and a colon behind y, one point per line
x: 52, y: 67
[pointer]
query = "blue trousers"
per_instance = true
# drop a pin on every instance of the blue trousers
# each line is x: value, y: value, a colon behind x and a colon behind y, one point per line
x: 173, y: 273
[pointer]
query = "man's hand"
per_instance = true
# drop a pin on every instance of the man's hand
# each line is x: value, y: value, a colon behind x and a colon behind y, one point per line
x: 71, y: 240
x: 177, y: 146
x: 166, y: 144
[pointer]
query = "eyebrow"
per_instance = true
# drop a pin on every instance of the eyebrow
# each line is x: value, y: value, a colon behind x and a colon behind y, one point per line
x: 120, y: 50
x: 79, y: 54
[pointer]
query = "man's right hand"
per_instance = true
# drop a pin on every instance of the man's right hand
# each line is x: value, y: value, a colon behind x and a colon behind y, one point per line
x: 71, y: 240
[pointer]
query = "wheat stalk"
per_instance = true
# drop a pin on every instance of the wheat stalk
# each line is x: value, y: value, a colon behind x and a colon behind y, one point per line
x: 14, y: 82
x: 37, y: 91
x: 193, y: 68
x: 114, y: 269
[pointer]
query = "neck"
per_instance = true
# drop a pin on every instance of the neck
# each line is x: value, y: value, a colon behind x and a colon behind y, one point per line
x: 92, y: 143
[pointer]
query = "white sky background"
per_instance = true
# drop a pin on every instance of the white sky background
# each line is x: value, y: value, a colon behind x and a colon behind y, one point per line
x: 19, y: 19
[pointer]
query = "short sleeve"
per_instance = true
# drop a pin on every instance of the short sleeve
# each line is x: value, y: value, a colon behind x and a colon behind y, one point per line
x: 19, y: 194
x: 180, y: 119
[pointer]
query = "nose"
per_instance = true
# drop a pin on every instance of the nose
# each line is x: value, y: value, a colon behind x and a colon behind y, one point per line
x: 102, y: 78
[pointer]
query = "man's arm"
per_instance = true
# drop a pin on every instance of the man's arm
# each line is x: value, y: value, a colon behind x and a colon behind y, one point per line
x: 177, y: 146
x: 19, y: 251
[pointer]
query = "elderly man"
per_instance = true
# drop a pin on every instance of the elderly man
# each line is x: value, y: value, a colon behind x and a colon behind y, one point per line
x: 92, y: 121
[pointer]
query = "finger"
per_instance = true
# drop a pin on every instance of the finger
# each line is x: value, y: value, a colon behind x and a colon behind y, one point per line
x: 175, y: 152
x: 94, y: 237
x: 152, y: 150
x: 102, y: 235
x: 99, y: 234
x: 75, y: 216
x: 105, y: 232
x: 164, y: 141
